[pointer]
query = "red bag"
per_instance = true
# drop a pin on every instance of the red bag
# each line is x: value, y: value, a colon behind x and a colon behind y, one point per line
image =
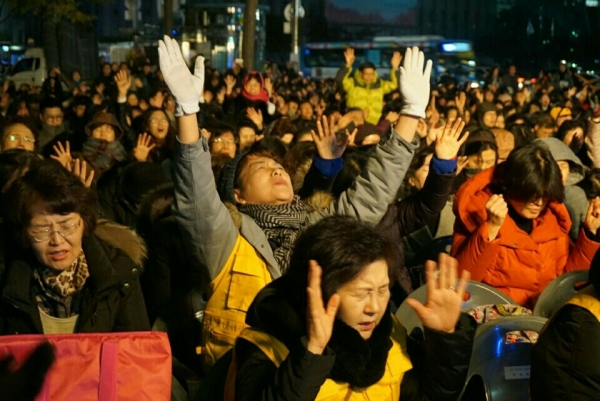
x: 133, y: 366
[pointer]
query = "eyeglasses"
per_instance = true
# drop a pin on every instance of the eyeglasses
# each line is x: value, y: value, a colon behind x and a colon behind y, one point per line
x: 16, y: 138
x: 227, y: 141
x: 54, y: 118
x: 65, y: 230
x: 158, y: 120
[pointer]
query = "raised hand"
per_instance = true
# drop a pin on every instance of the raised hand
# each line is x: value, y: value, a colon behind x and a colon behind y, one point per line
x: 123, y: 82
x: 592, y: 217
x: 434, y: 114
x: 461, y: 101
x: 444, y: 295
x: 415, y: 82
x: 449, y: 142
x: 319, y: 320
x: 62, y: 154
x: 80, y: 170
x: 143, y: 147
x: 392, y: 117
x: 187, y: 89
x: 269, y: 86
x: 396, y: 60
x: 230, y: 83
x: 462, y: 163
x: 496, y: 209
x: 350, y: 57
x: 327, y: 143
x: 256, y: 117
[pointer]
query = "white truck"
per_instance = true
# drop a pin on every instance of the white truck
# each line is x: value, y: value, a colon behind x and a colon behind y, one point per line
x: 31, y: 69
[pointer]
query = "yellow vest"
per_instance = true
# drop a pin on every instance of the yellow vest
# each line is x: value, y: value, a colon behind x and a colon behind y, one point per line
x: 388, y: 388
x: 230, y: 294
x: 587, y: 299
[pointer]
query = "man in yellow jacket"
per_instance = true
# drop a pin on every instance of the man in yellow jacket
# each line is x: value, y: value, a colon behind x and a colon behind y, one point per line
x: 365, y: 90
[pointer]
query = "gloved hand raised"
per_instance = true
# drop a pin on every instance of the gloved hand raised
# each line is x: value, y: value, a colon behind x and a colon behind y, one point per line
x: 187, y: 89
x: 415, y: 83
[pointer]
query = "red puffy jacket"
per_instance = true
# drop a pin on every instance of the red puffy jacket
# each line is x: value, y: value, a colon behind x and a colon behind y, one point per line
x: 519, y: 264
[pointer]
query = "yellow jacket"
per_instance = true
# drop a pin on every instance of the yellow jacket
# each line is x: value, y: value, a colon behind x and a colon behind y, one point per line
x: 388, y: 388
x: 363, y: 96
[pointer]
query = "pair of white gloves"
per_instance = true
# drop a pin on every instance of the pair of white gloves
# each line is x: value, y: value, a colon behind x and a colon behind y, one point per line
x: 188, y: 89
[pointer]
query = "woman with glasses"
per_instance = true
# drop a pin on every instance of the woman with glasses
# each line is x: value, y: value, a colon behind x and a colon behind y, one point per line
x: 18, y: 133
x: 66, y: 272
x: 223, y: 141
x: 155, y: 143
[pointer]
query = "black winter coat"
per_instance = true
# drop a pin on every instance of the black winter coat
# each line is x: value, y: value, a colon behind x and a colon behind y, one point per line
x: 564, y: 362
x: 111, y: 299
x: 440, y: 361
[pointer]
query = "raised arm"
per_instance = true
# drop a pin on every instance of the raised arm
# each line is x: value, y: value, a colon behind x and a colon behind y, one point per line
x: 376, y: 187
x: 208, y: 231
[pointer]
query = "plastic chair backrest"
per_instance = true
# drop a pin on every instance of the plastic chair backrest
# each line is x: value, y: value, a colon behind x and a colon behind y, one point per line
x: 477, y: 294
x: 503, y: 367
x: 559, y: 291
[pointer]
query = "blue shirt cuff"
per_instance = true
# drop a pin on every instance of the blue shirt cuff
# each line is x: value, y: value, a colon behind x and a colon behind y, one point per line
x: 328, y: 168
x: 441, y: 167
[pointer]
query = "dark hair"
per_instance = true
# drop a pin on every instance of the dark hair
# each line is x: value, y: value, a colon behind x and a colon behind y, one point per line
x: 544, y: 120
x: 297, y: 162
x: 365, y: 65
x: 475, y: 148
x: 48, y: 188
x: 529, y: 173
x: 219, y: 130
x: 50, y: 103
x: 170, y: 138
x: 569, y: 125
x: 343, y: 247
x: 13, y: 164
x: 417, y: 162
x: 591, y: 183
x: 280, y: 127
x: 355, y: 160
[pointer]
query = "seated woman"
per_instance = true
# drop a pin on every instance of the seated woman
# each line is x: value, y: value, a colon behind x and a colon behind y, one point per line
x: 67, y: 274
x: 564, y: 360
x: 324, y: 330
x: 512, y: 227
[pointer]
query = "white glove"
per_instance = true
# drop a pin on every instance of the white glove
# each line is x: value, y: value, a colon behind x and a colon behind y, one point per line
x: 187, y: 89
x: 415, y: 83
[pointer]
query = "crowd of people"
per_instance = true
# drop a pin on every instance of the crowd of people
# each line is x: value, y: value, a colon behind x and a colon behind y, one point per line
x: 287, y: 218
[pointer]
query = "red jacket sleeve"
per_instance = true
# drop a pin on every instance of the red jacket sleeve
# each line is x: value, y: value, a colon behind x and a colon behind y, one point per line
x: 582, y: 253
x: 474, y: 252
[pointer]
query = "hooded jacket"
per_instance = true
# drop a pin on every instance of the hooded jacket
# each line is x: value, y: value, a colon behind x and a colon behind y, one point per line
x: 519, y: 264
x: 237, y: 254
x: 363, y: 96
x: 575, y: 198
x: 111, y: 299
x: 440, y: 361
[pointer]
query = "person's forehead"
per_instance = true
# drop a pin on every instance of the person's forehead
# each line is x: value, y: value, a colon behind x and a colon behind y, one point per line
x: 52, y: 111
x: 17, y: 129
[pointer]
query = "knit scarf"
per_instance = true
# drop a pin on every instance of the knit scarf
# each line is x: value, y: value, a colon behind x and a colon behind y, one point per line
x: 68, y: 281
x: 103, y: 155
x: 281, y: 224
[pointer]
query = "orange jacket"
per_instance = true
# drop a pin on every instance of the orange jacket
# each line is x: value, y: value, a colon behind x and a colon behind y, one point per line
x: 519, y: 264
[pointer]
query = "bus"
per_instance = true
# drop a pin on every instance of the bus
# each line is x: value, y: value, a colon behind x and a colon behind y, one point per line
x: 454, y: 58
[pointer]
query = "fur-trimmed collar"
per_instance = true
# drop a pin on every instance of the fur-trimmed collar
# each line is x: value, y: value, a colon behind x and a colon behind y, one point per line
x: 122, y: 238
x: 317, y: 202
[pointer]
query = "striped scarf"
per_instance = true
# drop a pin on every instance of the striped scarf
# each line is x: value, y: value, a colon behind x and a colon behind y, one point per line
x: 281, y: 224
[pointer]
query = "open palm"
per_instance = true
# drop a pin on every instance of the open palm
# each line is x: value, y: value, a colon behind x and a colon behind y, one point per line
x: 444, y: 296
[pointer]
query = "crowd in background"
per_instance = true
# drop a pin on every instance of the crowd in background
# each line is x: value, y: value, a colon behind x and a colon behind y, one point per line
x: 115, y: 215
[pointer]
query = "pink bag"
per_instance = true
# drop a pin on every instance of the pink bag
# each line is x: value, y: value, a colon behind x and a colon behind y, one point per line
x: 132, y: 366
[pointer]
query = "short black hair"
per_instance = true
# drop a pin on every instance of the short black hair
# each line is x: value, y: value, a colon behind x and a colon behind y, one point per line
x: 570, y: 125
x: 365, y: 65
x: 50, y: 103
x: 13, y: 164
x: 343, y: 247
x: 529, y: 173
x: 47, y: 187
